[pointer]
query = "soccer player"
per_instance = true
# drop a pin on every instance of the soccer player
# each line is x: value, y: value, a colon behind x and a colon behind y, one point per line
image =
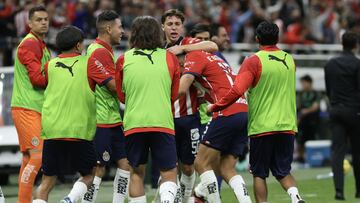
x: 185, y: 109
x: 225, y: 139
x: 147, y: 80
x: 220, y: 36
x: 109, y: 138
x: 269, y: 77
x: 342, y: 79
x: 173, y: 26
x: 68, y: 121
x: 27, y: 99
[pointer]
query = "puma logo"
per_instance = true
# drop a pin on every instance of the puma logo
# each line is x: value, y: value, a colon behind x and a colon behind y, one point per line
x: 272, y: 57
x: 62, y: 65
x: 138, y: 52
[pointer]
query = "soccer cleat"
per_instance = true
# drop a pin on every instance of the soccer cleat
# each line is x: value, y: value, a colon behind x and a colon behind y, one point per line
x: 339, y: 196
x: 66, y: 200
x: 301, y: 201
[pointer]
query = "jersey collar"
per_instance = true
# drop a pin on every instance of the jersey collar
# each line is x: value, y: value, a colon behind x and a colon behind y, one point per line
x: 104, y: 44
x: 269, y: 48
x: 68, y: 55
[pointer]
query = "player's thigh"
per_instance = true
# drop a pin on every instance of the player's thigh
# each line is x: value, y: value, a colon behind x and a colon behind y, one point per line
x: 261, y: 151
x: 137, y: 148
x: 102, y: 142
x: 118, y: 143
x: 187, y: 138
x: 28, y: 127
x: 283, y: 155
x: 84, y: 159
x: 227, y: 134
x: 239, y: 138
x: 163, y: 150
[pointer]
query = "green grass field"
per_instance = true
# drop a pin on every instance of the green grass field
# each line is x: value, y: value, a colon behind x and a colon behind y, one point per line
x: 312, y: 190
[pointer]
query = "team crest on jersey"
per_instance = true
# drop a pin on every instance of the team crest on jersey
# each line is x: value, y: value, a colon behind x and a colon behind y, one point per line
x: 106, y: 156
x: 195, y: 135
x: 35, y: 141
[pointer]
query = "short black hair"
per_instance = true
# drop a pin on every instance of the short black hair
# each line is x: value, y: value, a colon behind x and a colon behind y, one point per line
x: 68, y: 37
x: 36, y: 9
x: 214, y: 29
x: 199, y: 28
x: 267, y: 33
x: 306, y: 78
x: 173, y: 12
x: 349, y: 40
x: 146, y: 33
x: 104, y: 17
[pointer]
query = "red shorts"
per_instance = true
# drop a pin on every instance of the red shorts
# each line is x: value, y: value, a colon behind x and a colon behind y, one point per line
x: 28, y: 126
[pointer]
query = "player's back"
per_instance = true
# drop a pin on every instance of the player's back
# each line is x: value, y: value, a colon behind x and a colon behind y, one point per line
x: 147, y: 86
x: 215, y: 76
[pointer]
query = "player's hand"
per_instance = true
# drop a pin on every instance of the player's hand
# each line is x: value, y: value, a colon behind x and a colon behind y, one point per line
x: 208, y: 109
x: 177, y: 49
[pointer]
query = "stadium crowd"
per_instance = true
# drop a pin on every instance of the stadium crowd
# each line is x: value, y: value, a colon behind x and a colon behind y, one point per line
x: 299, y: 22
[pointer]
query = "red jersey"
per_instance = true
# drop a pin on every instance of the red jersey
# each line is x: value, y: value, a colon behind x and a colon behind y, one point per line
x: 187, y: 104
x: 215, y: 77
x: 29, y: 54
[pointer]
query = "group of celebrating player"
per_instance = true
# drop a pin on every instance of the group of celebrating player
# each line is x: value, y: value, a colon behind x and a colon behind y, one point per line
x: 163, y: 88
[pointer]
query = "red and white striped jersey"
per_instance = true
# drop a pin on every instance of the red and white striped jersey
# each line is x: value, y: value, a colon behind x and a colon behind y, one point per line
x: 215, y: 77
x: 187, y: 104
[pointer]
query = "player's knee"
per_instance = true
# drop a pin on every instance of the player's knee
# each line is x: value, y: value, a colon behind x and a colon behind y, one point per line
x: 100, y: 171
x: 88, y: 179
x: 188, y: 169
x: 123, y: 164
x: 280, y: 177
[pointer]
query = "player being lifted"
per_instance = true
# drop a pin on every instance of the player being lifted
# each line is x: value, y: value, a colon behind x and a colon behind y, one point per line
x: 185, y: 109
x: 109, y: 138
x: 226, y: 136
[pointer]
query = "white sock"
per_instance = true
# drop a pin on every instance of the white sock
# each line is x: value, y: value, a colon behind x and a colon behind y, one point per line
x: 78, y: 191
x: 2, y: 197
x: 199, y: 190
x: 178, y: 196
x: 190, y: 200
x: 209, y: 182
x: 237, y: 183
x: 141, y: 199
x: 121, y: 185
x: 294, y: 194
x: 168, y: 191
x: 38, y: 201
x: 187, y: 184
x: 91, y: 194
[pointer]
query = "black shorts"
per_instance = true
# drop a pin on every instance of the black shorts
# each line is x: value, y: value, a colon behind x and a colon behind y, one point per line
x: 109, y: 144
x: 161, y: 146
x: 187, y: 136
x: 274, y: 152
x: 62, y: 157
x: 227, y: 134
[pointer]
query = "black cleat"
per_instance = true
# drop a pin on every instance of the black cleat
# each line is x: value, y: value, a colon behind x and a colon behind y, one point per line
x: 339, y: 196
